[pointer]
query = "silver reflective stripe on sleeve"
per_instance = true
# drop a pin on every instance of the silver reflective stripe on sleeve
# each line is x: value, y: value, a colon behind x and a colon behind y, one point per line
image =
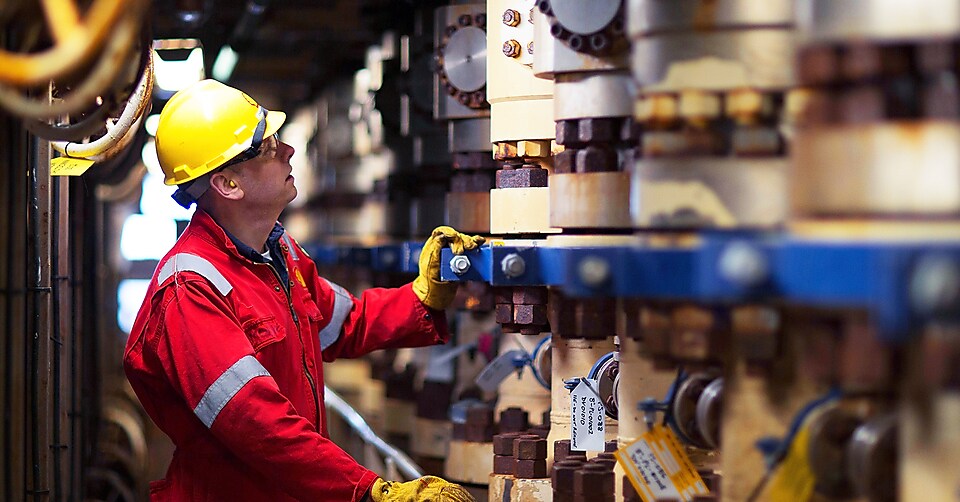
x: 291, y: 246
x: 342, y: 305
x: 184, y: 262
x: 227, y: 385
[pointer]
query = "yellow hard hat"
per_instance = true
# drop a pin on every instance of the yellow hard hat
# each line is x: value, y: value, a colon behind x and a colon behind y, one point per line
x: 206, y: 125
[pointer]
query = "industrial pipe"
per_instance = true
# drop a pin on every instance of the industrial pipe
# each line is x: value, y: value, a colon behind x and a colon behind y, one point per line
x: 360, y: 426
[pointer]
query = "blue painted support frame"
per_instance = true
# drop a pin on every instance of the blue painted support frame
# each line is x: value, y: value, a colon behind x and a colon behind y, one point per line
x: 876, y: 276
x: 402, y: 257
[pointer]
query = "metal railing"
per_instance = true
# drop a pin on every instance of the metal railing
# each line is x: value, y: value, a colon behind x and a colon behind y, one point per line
x: 393, y: 457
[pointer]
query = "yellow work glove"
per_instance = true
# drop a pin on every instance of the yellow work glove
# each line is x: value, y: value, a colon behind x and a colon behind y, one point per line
x: 433, y: 293
x: 427, y: 488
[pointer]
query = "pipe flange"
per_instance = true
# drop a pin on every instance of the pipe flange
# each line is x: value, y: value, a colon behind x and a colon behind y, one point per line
x: 607, y: 373
x: 684, y: 408
x: 594, y: 27
x: 830, y: 431
x: 461, y: 61
x: 872, y: 458
x: 708, y: 411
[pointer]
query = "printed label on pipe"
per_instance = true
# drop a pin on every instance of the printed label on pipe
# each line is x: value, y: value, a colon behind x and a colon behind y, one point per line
x: 658, y: 467
x: 586, y: 417
x: 498, y: 370
x: 69, y: 166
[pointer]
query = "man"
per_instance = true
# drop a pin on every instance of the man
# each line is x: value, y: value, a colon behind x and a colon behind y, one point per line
x: 225, y: 352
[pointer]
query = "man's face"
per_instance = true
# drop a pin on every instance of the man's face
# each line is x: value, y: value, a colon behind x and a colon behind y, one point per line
x: 265, y: 179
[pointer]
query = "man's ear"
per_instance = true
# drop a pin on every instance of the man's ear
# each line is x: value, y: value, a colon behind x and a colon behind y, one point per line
x: 226, y: 186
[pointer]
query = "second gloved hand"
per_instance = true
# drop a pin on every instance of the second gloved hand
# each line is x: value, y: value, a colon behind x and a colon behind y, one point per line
x: 426, y: 488
x: 428, y: 287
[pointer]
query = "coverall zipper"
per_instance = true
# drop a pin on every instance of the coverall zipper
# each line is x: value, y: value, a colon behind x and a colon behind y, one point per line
x: 303, y: 355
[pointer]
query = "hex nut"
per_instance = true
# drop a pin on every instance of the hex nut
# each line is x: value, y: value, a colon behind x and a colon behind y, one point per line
x: 593, y: 271
x: 565, y: 162
x: 530, y: 295
x: 598, y: 130
x: 480, y: 415
x: 460, y: 264
x: 530, y: 447
x: 593, y: 478
x: 530, y: 314
x: 562, y: 475
x: 512, y: 48
x: 511, y: 17
x: 514, y: 419
x: 567, y: 132
x: 743, y: 264
x: 503, y: 443
x: 513, y: 265
x: 524, y: 177
x: 503, y: 464
x: 935, y: 285
x: 504, y: 313
x: 530, y: 469
x: 596, y: 159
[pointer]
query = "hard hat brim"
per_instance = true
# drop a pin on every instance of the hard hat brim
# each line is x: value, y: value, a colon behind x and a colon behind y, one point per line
x: 274, y: 121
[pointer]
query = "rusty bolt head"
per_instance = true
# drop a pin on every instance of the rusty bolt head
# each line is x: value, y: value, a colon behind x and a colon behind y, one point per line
x: 563, y: 473
x: 504, y: 313
x: 565, y: 162
x: 594, y: 159
x: 480, y: 415
x: 511, y: 48
x: 530, y: 447
x: 602, y: 129
x: 568, y: 132
x: 503, y: 464
x: 503, y: 443
x: 465, y: 20
x: 480, y: 20
x: 530, y: 469
x: 514, y: 419
x: 523, y: 177
x: 593, y: 478
x: 530, y: 295
x: 530, y: 314
x: 511, y: 17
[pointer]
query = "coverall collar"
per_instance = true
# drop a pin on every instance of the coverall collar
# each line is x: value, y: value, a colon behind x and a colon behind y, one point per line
x: 241, y: 250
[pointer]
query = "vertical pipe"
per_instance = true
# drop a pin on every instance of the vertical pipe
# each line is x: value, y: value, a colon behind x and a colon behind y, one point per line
x: 77, y: 436
x: 34, y: 268
x: 8, y: 455
x: 93, y: 225
x: 56, y: 338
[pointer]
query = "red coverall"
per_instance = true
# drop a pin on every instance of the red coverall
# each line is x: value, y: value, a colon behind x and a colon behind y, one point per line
x: 227, y: 363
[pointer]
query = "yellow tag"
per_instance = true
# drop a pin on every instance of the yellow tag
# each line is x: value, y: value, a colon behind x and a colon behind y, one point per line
x: 69, y: 166
x: 794, y: 481
x: 658, y: 467
x: 300, y: 277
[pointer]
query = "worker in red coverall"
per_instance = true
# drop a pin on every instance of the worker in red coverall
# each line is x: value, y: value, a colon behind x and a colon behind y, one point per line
x: 226, y: 351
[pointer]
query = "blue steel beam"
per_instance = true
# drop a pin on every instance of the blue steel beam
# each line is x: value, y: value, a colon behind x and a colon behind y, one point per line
x: 901, y: 284
x: 728, y: 269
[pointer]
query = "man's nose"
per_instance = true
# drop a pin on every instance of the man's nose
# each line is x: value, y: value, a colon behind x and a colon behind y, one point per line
x: 286, y: 151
